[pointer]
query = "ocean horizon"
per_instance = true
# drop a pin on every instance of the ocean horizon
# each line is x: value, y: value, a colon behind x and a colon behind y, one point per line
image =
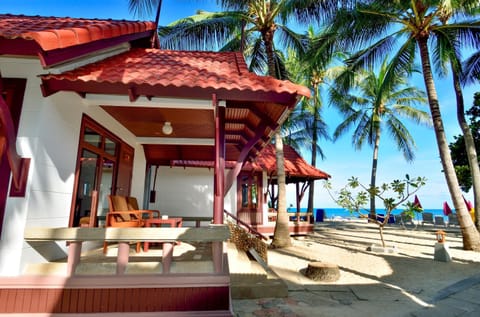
x: 330, y: 213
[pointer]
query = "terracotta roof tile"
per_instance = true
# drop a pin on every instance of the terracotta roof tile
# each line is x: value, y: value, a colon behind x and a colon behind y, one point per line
x: 55, y: 32
x: 295, y: 165
x: 179, y: 69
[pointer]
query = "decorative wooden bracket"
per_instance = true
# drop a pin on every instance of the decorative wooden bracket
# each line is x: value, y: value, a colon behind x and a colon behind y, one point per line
x: 18, y: 165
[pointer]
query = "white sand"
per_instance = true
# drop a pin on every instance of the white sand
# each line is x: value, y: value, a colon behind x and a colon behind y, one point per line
x: 372, y: 284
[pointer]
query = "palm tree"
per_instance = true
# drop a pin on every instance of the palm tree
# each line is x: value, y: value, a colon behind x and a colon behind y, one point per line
x: 404, y: 26
x: 471, y: 74
x: 315, y: 69
x: 375, y: 105
x: 448, y: 52
x: 253, y: 26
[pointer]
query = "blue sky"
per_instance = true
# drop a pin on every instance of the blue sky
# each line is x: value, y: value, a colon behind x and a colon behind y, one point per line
x: 342, y: 160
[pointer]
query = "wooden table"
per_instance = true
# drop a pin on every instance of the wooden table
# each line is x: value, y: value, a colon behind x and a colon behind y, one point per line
x: 158, y: 222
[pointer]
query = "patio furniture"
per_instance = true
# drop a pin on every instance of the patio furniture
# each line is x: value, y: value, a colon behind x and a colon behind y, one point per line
x: 452, y: 220
x: 132, y: 204
x: 427, y: 218
x: 439, y: 221
x: 403, y: 219
x: 123, y: 219
x: 122, y: 215
x: 157, y: 222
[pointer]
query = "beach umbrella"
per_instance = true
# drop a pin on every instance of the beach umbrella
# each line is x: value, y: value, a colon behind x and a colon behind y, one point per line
x: 416, y: 203
x: 468, y: 203
x: 446, y: 209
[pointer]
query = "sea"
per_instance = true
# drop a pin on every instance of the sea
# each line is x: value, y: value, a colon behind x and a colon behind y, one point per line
x: 332, y: 213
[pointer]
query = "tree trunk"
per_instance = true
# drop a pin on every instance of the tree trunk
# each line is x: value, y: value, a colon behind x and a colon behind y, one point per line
x: 469, y: 146
x: 281, y: 235
x: 471, y: 237
x: 316, y: 118
x: 373, y: 176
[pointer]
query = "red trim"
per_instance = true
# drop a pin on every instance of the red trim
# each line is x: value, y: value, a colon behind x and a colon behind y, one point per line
x: 219, y: 170
x: 11, y: 94
x: 233, y: 173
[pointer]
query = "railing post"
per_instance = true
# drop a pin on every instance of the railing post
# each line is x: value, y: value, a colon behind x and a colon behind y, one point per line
x: 167, y: 254
x: 217, y: 254
x: 74, y: 251
x: 122, y: 257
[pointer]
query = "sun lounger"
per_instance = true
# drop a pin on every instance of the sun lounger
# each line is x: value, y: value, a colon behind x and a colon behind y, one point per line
x: 439, y: 221
x: 404, y: 219
x: 452, y: 220
x: 427, y: 218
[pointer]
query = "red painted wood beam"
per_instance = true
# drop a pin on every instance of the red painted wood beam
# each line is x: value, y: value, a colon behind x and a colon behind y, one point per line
x: 219, y: 166
x: 233, y: 173
x: 18, y: 165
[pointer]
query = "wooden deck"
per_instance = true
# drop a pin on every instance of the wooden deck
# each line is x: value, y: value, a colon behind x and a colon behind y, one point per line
x: 194, y: 282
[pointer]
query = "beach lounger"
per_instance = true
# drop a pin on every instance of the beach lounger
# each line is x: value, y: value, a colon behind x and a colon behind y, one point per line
x: 427, y: 218
x: 452, y: 220
x: 404, y: 219
x: 439, y: 221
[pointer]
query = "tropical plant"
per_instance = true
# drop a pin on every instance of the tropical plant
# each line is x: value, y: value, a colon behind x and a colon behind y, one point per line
x: 354, y: 197
x: 401, y: 27
x: 252, y: 26
x: 375, y: 104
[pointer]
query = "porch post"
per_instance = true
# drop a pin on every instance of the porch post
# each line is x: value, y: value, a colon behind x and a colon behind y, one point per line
x: 219, y: 169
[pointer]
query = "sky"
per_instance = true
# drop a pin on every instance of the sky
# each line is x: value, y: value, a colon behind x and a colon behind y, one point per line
x: 342, y: 161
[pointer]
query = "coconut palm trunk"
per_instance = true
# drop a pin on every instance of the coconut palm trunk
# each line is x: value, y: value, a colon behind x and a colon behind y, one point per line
x: 373, y: 176
x: 471, y: 237
x: 311, y: 190
x: 469, y: 146
x: 281, y: 236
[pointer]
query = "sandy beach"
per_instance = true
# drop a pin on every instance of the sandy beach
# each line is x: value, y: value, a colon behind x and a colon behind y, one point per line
x: 404, y: 283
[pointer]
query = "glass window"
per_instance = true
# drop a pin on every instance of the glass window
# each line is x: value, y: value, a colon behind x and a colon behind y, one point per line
x: 110, y: 146
x: 92, y: 137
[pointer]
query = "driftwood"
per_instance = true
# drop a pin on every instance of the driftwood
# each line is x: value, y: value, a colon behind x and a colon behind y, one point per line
x: 321, y: 271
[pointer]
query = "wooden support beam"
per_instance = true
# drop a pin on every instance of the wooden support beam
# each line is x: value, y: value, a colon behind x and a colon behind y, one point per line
x: 18, y: 165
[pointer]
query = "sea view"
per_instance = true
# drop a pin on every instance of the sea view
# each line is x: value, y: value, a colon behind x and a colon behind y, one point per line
x: 331, y: 213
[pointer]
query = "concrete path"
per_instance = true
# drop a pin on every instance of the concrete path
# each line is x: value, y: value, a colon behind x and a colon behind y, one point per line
x: 459, y: 299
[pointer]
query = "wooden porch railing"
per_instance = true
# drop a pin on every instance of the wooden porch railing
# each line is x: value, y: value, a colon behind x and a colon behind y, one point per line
x: 246, y: 226
x: 166, y: 294
x: 42, y: 239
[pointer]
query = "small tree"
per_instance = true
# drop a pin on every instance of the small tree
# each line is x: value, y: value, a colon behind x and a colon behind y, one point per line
x: 355, y: 196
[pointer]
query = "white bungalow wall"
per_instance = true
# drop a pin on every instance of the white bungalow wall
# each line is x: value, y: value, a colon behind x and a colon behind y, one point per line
x: 187, y: 192
x: 48, y: 134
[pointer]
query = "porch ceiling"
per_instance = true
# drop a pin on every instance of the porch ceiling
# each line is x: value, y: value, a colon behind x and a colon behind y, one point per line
x: 193, y: 130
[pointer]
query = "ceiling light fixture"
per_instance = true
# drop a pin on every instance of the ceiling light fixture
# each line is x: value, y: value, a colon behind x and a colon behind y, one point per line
x: 167, y: 128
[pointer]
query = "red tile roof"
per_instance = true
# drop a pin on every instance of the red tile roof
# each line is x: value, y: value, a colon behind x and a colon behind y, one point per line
x: 54, y: 32
x: 296, y: 168
x: 154, y: 72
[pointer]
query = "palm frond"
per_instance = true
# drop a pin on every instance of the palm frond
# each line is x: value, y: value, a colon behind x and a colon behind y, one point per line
x: 471, y: 68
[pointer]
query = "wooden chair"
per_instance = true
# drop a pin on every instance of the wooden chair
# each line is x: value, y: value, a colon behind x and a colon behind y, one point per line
x: 132, y: 204
x: 119, y: 215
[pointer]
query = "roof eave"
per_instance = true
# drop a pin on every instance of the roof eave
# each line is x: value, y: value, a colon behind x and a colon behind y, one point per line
x: 49, y: 58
